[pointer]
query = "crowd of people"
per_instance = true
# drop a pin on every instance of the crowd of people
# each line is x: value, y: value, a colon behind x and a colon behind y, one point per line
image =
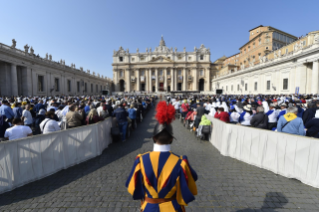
x: 27, y: 116
x: 293, y: 114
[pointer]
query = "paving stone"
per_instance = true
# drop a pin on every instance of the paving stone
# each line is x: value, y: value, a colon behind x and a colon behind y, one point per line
x: 224, y: 184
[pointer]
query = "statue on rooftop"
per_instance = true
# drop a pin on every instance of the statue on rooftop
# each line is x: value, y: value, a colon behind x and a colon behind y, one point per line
x: 31, y: 50
x: 14, y: 43
x: 26, y: 48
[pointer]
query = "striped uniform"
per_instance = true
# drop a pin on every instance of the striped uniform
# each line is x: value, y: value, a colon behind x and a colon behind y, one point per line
x: 162, y: 175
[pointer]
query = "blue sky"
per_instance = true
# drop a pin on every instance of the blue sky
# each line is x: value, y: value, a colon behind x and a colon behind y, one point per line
x: 86, y: 32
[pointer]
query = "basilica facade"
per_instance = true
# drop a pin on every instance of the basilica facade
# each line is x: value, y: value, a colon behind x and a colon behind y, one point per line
x: 162, y: 69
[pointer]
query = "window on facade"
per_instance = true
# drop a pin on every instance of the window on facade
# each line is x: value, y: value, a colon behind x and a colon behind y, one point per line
x: 189, y: 58
x: 248, y: 48
x: 286, y: 51
x: 259, y: 41
x: 202, y: 57
x: 268, y: 85
x: 142, y: 58
x: 266, y: 47
x: 96, y: 88
x: 133, y: 59
x: 256, y: 86
x: 101, y: 87
x: 121, y: 59
x: 85, y: 87
x: 179, y: 72
x: 91, y: 87
x: 304, y: 43
x: 246, y: 87
x: 161, y: 72
x: 40, y: 83
x: 168, y: 72
x: 121, y: 73
x: 201, y: 72
x: 285, y: 84
x: 238, y: 87
x: 169, y: 57
x: 153, y: 73
x: 142, y: 73
x: 56, y: 84
x: 231, y: 87
x: 78, y: 86
x: 179, y: 58
x: 153, y: 58
x: 69, y: 85
x: 226, y: 88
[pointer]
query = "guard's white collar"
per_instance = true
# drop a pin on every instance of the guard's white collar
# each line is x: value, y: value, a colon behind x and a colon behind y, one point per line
x: 162, y: 148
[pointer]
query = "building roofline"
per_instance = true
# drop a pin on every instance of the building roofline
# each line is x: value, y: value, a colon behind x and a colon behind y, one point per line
x: 256, y: 27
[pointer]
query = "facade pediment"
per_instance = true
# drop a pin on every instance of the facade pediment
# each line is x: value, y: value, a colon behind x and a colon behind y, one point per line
x: 161, y: 59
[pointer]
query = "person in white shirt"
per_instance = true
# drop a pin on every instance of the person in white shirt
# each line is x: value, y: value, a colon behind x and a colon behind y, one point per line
x: 17, y: 131
x: 176, y: 105
x: 99, y: 110
x: 272, y: 116
x: 49, y: 125
x: 27, y: 117
x: 234, y: 115
x: 247, y: 115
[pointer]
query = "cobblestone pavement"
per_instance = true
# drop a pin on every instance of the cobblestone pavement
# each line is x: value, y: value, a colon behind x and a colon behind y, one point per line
x: 224, y: 184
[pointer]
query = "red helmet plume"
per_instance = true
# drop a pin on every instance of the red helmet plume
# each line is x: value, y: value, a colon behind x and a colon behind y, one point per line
x: 165, y: 113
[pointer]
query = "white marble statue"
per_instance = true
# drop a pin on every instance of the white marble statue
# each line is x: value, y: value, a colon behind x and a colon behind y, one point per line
x: 14, y: 43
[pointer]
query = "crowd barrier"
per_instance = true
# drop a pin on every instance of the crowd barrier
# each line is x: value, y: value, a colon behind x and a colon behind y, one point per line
x: 289, y: 155
x: 32, y: 158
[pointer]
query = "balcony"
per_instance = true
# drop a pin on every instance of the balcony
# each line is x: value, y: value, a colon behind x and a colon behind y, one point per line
x: 190, y: 79
x: 168, y: 77
x: 180, y: 79
x: 153, y: 77
x: 133, y: 79
x: 161, y: 79
x: 142, y: 79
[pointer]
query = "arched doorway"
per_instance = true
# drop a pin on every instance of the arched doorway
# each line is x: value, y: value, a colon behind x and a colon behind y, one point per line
x: 122, y: 85
x: 201, y: 85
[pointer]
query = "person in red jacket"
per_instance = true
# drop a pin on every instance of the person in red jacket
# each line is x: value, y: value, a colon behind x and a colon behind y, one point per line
x: 222, y: 115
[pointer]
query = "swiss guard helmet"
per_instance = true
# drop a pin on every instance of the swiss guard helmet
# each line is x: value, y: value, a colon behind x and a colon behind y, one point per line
x: 165, y: 114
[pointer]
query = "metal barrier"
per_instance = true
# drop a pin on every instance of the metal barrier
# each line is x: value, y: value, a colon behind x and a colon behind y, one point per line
x: 289, y: 155
x: 32, y: 158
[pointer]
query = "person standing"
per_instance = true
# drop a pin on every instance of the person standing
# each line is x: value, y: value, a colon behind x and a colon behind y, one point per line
x: 121, y: 115
x: 27, y: 117
x: 170, y: 180
x: 49, y: 124
x: 6, y: 110
x: 17, y: 110
x: 73, y: 118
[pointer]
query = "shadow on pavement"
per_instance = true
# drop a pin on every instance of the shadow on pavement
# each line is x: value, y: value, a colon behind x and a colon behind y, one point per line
x: 58, y: 181
x: 279, y: 198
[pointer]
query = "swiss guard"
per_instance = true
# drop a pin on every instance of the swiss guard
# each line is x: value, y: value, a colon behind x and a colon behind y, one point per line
x: 162, y: 180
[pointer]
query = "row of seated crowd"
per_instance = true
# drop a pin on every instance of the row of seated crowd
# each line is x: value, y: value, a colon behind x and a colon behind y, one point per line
x: 294, y: 114
x: 27, y: 116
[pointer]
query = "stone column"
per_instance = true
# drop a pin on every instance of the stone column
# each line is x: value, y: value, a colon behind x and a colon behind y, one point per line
x: 315, y: 77
x: 184, y: 80
x: 138, y: 86
x: 150, y: 80
x: 175, y: 80
x: 207, y: 79
x: 195, y: 81
x: 172, y: 79
x: 28, y: 81
x: 300, y: 79
x: 156, y: 79
x: 127, y: 80
x: 14, y: 80
x: 165, y: 79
